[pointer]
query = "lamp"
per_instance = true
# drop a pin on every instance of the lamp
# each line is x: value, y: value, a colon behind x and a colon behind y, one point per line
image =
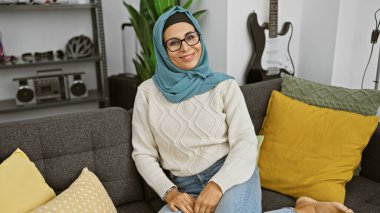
x: 377, y: 73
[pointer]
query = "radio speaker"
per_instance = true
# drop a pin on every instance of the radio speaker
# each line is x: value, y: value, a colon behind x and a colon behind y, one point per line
x: 77, y: 87
x: 25, y: 93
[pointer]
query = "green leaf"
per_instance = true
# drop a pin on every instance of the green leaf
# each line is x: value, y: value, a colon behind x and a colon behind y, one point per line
x: 163, y: 5
x: 187, y: 4
x: 153, y: 64
x: 135, y: 20
x: 158, y: 6
x: 141, y: 71
x: 150, y: 8
x: 199, y: 13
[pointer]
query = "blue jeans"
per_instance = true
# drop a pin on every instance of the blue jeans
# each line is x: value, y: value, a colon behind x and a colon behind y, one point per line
x: 241, y: 198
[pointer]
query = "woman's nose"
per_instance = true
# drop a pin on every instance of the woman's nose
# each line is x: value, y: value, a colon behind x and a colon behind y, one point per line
x: 184, y: 46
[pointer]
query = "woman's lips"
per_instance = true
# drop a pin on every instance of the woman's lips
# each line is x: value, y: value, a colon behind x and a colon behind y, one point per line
x: 187, y: 58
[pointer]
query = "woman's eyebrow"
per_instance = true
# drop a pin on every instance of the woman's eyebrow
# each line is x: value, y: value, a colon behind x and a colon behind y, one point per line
x: 183, y: 35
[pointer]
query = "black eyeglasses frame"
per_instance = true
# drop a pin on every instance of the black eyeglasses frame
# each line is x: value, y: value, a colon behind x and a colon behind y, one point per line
x: 182, y: 40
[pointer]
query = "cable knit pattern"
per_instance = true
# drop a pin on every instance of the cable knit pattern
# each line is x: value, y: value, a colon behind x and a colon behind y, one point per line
x: 362, y: 101
x: 188, y: 137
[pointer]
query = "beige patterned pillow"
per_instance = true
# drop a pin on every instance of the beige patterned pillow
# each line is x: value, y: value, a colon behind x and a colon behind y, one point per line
x: 86, y: 194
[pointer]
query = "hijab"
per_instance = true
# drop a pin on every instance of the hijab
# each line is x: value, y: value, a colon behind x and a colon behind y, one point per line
x: 175, y: 83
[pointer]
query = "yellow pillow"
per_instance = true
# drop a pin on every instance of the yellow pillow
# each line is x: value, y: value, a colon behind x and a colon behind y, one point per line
x: 22, y: 187
x: 85, y: 194
x: 309, y: 150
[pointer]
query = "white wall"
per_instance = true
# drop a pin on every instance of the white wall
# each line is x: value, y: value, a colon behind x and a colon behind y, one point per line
x: 239, y: 49
x: 335, y: 45
x: 356, y: 22
x: 317, y: 43
x: 214, y: 28
x: 115, y: 14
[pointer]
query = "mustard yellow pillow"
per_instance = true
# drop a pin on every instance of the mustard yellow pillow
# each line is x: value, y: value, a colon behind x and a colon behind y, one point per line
x: 309, y: 150
x: 22, y: 187
x: 85, y: 194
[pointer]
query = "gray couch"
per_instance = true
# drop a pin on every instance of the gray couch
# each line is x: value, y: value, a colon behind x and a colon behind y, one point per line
x: 62, y: 145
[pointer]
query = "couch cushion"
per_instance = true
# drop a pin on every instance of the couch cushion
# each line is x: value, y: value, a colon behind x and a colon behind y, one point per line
x: 272, y: 200
x: 136, y: 207
x: 256, y: 97
x: 363, y: 195
x: 371, y: 158
x: 329, y: 142
x: 61, y: 146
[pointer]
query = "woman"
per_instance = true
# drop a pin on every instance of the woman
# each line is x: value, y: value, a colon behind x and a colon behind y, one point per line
x: 193, y: 140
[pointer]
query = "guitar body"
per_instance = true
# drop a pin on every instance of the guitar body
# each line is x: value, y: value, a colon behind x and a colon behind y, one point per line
x: 270, y: 56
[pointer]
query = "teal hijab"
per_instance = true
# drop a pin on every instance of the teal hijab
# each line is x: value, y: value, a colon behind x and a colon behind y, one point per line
x: 177, y: 84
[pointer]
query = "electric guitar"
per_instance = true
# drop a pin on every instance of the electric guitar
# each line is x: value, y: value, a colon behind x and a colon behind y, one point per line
x: 271, y: 56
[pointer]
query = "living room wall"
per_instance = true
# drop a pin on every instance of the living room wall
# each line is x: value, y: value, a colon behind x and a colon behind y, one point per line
x: 330, y: 41
x: 355, y: 24
x: 335, y: 42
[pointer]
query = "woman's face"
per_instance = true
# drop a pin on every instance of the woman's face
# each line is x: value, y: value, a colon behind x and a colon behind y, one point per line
x: 186, y: 57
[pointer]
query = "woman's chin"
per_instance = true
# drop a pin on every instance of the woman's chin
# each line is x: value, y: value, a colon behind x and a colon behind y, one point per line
x: 187, y: 66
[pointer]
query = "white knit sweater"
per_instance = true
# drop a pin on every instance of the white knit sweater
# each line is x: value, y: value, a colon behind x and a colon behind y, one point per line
x: 188, y: 137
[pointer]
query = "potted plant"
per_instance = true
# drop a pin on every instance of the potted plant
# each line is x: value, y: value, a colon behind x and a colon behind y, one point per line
x: 143, y: 22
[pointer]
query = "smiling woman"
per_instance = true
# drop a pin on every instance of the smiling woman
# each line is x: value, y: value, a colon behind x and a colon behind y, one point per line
x: 192, y: 136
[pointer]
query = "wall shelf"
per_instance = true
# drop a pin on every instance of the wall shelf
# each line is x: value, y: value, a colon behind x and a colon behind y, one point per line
x: 8, y: 7
x: 10, y: 104
x: 54, y: 62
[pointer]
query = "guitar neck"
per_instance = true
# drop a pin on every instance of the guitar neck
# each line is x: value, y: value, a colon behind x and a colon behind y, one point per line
x: 273, y: 18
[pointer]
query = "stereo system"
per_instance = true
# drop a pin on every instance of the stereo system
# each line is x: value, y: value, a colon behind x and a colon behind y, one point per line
x: 50, y: 85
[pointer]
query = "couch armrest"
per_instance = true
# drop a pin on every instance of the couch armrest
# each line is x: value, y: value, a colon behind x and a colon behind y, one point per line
x: 371, y: 158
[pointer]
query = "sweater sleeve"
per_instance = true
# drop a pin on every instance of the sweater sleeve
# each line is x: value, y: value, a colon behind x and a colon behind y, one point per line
x: 145, y: 151
x: 241, y: 160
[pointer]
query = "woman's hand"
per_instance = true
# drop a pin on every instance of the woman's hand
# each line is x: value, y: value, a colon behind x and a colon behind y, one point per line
x: 208, y: 198
x: 177, y: 200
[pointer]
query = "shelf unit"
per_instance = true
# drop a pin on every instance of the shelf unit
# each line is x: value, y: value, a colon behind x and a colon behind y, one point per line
x: 46, y: 6
x: 101, y: 94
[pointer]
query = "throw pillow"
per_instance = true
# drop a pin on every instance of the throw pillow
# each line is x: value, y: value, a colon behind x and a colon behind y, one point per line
x: 260, y: 139
x: 311, y: 151
x: 22, y: 187
x: 362, y: 101
x: 85, y: 194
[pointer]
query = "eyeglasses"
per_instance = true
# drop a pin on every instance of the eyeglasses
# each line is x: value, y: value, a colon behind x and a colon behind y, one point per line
x: 174, y: 44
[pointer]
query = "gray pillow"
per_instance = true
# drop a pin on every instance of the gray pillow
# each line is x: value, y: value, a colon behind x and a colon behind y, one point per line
x: 361, y: 101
